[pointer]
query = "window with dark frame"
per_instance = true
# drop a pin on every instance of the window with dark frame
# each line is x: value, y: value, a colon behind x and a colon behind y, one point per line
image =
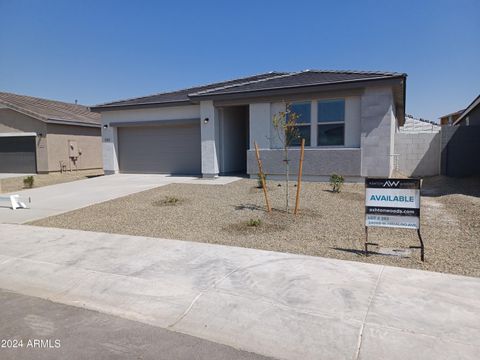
x: 331, y: 122
x: 303, y: 122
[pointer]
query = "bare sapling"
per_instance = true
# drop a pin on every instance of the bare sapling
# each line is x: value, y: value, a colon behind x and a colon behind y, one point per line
x: 285, y: 125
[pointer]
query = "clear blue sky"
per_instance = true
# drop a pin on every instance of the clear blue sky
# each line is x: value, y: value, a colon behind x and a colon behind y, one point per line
x: 96, y: 51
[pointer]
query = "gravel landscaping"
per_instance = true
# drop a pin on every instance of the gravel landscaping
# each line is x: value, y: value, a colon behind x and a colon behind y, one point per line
x: 329, y: 224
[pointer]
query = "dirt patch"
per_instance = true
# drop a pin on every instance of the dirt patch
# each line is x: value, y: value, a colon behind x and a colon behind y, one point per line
x: 329, y: 224
x: 40, y: 180
x: 168, y: 201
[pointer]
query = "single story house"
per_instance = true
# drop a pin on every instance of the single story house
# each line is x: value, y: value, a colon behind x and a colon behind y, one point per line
x: 348, y: 118
x: 471, y: 115
x: 449, y: 119
x: 43, y: 136
x: 460, y: 143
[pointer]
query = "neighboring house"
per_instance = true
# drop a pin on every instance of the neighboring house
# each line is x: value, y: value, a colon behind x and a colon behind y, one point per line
x: 449, y: 119
x: 348, y: 118
x: 42, y: 136
x: 415, y: 125
x: 461, y: 142
x: 471, y: 115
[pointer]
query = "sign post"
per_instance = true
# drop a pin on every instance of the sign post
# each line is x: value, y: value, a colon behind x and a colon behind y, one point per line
x: 393, y: 203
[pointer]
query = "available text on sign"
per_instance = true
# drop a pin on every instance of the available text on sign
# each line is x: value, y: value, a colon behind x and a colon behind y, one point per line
x: 392, y: 203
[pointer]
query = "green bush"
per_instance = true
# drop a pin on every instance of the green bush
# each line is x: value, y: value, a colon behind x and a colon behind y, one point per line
x: 254, y: 222
x: 336, y: 181
x: 28, y: 182
x: 259, y: 180
x: 171, y: 200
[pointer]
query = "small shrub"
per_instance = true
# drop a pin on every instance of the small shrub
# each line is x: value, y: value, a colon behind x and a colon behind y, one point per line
x: 254, y: 222
x: 336, y: 181
x: 259, y: 180
x: 28, y: 182
x: 171, y: 200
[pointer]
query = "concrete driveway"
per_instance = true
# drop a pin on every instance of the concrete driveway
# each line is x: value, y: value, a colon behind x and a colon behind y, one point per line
x: 274, y: 304
x: 56, y: 199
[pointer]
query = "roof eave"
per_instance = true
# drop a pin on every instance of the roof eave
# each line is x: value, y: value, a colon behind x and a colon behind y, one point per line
x: 102, y: 108
x: 45, y: 119
x: 72, y: 123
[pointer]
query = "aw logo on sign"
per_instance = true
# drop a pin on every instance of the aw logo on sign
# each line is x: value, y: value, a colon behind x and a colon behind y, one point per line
x: 389, y: 183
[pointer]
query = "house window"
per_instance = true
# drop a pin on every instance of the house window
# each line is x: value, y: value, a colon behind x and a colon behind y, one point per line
x: 303, y: 122
x: 331, y: 122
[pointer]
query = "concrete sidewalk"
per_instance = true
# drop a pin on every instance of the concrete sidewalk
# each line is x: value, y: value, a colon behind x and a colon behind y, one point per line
x: 275, y: 304
x: 56, y: 199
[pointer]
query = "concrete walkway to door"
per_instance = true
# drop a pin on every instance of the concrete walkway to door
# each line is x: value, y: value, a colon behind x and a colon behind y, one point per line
x: 56, y: 199
x: 275, y: 304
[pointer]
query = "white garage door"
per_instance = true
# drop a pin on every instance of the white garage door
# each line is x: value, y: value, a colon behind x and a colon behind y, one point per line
x: 166, y: 149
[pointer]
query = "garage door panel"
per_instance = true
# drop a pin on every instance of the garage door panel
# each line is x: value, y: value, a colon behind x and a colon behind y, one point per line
x: 160, y: 149
x: 17, y: 154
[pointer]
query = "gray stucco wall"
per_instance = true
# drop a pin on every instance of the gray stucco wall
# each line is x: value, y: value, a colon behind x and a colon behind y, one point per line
x: 418, y: 153
x: 473, y: 118
x: 377, y: 129
x: 317, y: 162
x: 370, y: 125
x: 460, y: 149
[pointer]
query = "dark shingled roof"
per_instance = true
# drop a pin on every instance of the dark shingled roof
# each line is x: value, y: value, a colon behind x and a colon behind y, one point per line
x: 50, y: 110
x: 182, y: 95
x: 300, y: 79
x: 261, y: 82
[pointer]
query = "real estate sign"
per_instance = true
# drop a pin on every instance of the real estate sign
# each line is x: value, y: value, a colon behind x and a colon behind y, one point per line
x: 392, y: 203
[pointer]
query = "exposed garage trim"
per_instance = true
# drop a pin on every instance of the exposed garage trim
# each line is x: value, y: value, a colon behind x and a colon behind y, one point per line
x: 17, y: 134
x: 193, y: 121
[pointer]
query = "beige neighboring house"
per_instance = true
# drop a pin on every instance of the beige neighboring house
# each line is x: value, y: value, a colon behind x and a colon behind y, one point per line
x: 449, y: 119
x: 42, y: 136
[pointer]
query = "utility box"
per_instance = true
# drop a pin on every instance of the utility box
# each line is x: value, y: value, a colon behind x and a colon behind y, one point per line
x: 73, y: 149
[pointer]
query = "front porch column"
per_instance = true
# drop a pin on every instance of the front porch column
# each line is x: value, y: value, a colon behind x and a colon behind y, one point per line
x: 109, y: 148
x: 210, y: 137
x: 377, y: 132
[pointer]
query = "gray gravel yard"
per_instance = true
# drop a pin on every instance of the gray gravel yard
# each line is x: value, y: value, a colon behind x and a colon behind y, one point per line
x: 329, y: 225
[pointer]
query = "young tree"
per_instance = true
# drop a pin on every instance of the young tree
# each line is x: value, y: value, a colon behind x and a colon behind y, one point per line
x: 287, y: 132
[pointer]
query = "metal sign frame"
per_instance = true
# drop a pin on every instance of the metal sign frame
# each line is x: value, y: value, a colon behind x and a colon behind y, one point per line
x: 394, y: 184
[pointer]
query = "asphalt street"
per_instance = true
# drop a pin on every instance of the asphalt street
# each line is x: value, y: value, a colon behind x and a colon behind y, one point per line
x: 53, y: 331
